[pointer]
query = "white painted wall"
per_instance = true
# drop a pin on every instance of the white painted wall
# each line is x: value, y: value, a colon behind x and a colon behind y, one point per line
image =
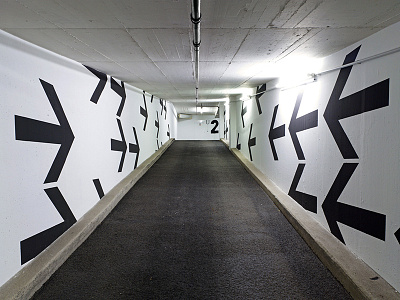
x: 374, y: 185
x: 199, y: 127
x: 26, y: 209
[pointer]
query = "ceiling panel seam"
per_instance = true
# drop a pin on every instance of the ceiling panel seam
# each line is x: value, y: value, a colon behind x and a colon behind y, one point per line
x: 316, y: 6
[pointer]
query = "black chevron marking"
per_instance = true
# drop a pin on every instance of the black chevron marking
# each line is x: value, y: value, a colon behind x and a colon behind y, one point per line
x: 100, y: 86
x: 35, y: 244
x: 120, y: 90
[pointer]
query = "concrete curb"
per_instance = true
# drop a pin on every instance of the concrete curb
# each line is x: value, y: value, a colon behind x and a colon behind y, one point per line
x: 30, y: 278
x: 357, y: 277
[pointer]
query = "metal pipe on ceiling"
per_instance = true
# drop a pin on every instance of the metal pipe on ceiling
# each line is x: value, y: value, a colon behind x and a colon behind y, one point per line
x: 196, y: 18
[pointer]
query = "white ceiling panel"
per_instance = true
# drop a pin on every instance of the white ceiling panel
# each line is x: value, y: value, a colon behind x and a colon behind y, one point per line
x: 75, y: 13
x: 221, y: 45
x: 148, y: 71
x: 354, y: 13
x: 338, y: 38
x: 177, y: 72
x: 61, y: 42
x: 164, y: 44
x: 153, y: 14
x: 14, y: 14
x: 119, y: 45
x: 211, y: 72
x: 267, y: 44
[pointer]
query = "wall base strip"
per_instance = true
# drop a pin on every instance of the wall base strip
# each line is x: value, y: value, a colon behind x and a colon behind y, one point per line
x: 356, y: 276
x: 30, y: 278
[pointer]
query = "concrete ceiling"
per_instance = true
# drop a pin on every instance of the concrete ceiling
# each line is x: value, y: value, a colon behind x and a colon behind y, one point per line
x: 148, y: 43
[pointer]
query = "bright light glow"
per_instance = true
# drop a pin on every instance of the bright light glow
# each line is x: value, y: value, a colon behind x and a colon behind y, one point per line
x: 291, y: 82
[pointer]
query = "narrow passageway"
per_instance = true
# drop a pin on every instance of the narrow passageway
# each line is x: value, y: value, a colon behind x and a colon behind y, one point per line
x: 196, y: 226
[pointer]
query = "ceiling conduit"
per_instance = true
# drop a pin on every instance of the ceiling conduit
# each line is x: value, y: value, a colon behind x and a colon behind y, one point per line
x: 196, y: 18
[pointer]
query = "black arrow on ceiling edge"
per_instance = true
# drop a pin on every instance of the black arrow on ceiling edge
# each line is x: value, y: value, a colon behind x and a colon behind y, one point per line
x: 143, y: 112
x: 275, y: 133
x: 251, y: 142
x: 260, y: 91
x: 135, y: 148
x: 370, y: 98
x: 31, y: 130
x: 366, y: 221
x: 120, y: 90
x: 305, y: 122
x: 308, y: 202
x: 119, y: 146
x: 35, y: 244
x: 100, y: 86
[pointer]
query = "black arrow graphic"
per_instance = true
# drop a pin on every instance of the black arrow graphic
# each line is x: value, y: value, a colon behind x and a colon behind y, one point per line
x: 305, y: 122
x: 135, y: 148
x: 120, y: 90
x: 251, y: 142
x: 169, y: 132
x: 397, y: 235
x: 238, y: 146
x: 143, y: 112
x: 162, y: 106
x: 119, y: 146
x: 98, y: 187
x: 244, y: 111
x: 369, y: 222
x: 275, y: 133
x: 100, y: 86
x: 260, y: 91
x: 157, y: 124
x: 370, y: 98
x: 307, y: 201
x: 35, y: 244
x: 31, y: 130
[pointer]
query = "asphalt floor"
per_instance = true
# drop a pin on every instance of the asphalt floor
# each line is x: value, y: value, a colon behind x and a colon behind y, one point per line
x: 195, y: 226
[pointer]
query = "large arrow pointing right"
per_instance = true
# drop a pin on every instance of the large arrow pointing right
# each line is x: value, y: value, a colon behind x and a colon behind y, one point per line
x: 31, y: 130
x: 370, y: 98
x: 367, y: 221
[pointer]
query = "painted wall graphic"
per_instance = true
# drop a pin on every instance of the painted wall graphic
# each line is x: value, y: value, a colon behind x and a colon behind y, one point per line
x: 69, y: 134
x: 340, y: 160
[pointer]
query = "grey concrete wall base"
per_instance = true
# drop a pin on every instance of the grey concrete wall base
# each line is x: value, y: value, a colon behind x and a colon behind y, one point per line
x: 357, y: 277
x: 30, y: 278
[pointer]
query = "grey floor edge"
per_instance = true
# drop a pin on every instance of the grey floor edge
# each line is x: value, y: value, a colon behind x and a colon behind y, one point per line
x: 355, y: 275
x: 32, y: 276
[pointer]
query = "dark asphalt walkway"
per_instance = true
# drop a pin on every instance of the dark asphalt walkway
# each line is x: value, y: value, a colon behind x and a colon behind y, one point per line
x: 196, y: 226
